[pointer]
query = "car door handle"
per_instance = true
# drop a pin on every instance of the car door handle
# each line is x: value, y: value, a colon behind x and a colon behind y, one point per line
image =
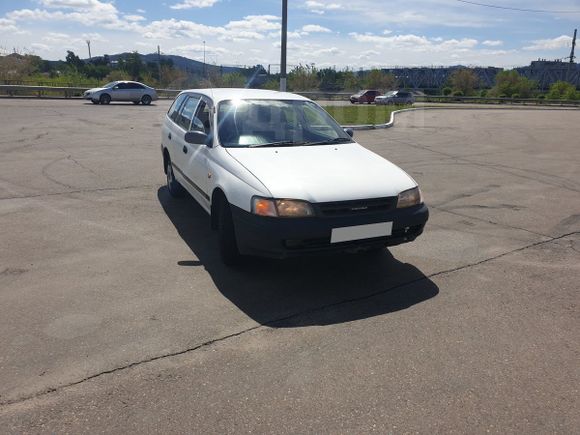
x: 185, y: 149
x: 169, y: 136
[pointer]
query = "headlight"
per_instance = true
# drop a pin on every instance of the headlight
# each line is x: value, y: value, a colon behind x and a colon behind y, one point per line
x: 409, y: 198
x: 281, y: 207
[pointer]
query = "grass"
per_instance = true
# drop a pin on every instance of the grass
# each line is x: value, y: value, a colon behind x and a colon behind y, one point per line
x: 362, y: 114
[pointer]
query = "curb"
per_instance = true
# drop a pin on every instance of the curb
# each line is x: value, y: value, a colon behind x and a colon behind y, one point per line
x: 413, y: 109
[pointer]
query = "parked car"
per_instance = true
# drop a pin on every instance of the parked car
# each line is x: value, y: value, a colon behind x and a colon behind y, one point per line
x: 366, y: 96
x: 395, y: 97
x: 280, y: 177
x: 122, y: 91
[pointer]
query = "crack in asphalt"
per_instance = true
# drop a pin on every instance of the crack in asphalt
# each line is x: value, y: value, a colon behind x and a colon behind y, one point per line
x: 498, y: 167
x: 489, y: 221
x: 68, y: 192
x: 275, y: 321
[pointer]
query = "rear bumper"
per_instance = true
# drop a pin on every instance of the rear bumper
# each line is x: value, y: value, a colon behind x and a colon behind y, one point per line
x: 282, y: 238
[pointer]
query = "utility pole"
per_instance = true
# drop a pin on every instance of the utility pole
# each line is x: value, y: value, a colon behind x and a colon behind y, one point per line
x: 572, y: 57
x: 159, y: 62
x: 284, y: 40
x: 89, y: 45
x: 204, y: 67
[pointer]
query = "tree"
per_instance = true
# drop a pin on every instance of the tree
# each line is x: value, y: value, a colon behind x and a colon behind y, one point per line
x: 74, y: 61
x: 508, y: 83
x: 464, y: 80
x: 561, y: 90
x: 329, y: 80
x: 303, y: 78
x: 133, y: 65
x: 350, y: 81
x: 377, y: 79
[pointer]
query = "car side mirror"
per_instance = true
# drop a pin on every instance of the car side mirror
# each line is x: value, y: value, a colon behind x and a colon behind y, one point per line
x: 349, y: 131
x: 197, y: 138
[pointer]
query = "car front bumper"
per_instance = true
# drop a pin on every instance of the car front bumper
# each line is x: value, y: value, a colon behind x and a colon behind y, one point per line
x: 290, y: 237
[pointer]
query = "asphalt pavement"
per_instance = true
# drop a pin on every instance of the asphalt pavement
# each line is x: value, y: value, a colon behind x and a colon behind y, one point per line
x: 117, y: 315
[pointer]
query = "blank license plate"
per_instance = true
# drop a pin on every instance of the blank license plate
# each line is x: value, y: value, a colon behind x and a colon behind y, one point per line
x: 359, y: 232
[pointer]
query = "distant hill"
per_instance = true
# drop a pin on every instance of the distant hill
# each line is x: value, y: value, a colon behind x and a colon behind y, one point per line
x: 188, y: 65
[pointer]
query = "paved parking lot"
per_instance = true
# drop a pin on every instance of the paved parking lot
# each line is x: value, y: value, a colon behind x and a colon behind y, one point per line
x: 117, y: 315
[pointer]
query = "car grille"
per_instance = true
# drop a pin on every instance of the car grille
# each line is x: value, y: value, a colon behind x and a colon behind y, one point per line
x: 356, y: 207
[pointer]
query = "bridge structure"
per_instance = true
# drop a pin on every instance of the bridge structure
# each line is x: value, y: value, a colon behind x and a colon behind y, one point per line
x: 546, y: 72
x: 438, y: 77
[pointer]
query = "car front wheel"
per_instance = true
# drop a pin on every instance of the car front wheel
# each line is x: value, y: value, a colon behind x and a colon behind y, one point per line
x: 175, y: 189
x: 146, y: 100
x: 105, y: 99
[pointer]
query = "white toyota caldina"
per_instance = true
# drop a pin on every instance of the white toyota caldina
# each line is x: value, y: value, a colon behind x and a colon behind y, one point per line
x: 279, y: 177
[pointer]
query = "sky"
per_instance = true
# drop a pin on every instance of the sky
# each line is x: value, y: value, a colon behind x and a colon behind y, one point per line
x: 335, y: 33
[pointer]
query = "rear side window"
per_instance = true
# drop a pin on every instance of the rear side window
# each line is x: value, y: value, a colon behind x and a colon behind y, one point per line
x: 185, y: 115
x: 174, y: 109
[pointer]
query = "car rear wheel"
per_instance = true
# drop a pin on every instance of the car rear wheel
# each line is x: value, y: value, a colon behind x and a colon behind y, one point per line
x: 146, y: 100
x: 105, y: 99
x: 229, y: 252
x: 175, y: 189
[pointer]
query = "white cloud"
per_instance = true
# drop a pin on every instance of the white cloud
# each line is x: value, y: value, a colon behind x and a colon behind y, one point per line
x: 318, y: 7
x: 7, y: 25
x: 367, y: 54
x: 134, y: 18
x: 550, y: 44
x: 190, y: 4
x: 415, y: 43
x: 493, y: 43
x: 258, y: 23
x: 315, y: 28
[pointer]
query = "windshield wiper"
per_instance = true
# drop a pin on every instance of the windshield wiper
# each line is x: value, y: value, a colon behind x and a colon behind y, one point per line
x: 282, y: 143
x: 331, y: 141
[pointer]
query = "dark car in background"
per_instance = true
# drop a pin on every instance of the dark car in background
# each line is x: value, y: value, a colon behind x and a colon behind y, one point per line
x: 365, y: 96
x: 396, y: 97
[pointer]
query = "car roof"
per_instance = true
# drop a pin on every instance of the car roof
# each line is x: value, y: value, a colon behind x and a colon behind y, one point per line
x: 223, y: 94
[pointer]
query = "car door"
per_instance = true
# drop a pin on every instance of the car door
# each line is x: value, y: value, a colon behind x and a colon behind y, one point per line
x: 120, y: 92
x: 169, y: 130
x: 189, y: 163
x: 195, y: 156
x: 137, y: 91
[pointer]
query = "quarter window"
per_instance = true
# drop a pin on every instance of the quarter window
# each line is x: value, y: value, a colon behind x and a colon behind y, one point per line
x: 174, y: 109
x: 186, y: 113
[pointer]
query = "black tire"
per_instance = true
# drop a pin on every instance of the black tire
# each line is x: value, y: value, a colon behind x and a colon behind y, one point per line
x: 105, y: 99
x: 175, y: 189
x: 229, y: 252
x: 146, y: 100
x: 136, y: 102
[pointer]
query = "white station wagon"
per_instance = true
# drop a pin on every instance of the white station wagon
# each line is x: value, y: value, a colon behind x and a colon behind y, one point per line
x: 279, y: 177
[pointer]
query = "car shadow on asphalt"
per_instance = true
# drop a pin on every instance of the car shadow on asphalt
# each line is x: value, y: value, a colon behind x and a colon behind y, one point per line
x: 321, y: 290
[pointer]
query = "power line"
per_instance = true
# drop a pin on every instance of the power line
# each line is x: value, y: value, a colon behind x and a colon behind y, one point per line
x: 539, y: 11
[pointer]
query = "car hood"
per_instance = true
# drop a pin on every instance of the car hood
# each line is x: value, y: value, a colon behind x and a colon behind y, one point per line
x: 323, y: 173
x: 93, y: 90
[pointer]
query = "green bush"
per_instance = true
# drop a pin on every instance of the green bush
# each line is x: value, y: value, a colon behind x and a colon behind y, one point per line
x: 457, y: 94
x: 447, y: 91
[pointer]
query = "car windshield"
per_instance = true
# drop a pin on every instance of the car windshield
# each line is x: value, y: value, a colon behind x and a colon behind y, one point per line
x: 110, y: 85
x: 390, y: 94
x: 253, y: 123
x: 359, y: 94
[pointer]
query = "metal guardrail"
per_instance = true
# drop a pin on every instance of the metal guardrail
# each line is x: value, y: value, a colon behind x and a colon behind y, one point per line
x: 495, y: 100
x: 77, y: 92
x: 62, y: 91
